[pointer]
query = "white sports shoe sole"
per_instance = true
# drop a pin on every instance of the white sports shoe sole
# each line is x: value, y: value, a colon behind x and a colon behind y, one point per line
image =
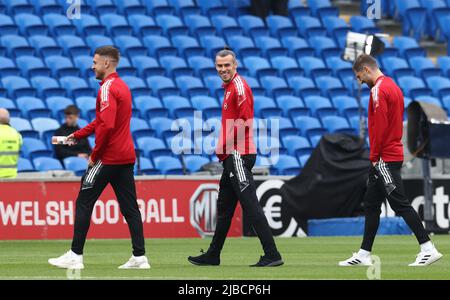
x: 432, y: 260
x: 76, y: 266
x: 143, y: 266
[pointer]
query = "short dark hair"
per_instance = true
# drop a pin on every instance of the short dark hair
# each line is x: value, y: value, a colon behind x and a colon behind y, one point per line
x: 109, y: 51
x: 225, y: 52
x: 364, y: 60
x: 71, y: 110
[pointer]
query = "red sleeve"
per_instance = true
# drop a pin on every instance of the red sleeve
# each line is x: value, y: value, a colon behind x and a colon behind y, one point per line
x: 380, y: 115
x: 244, y: 104
x: 106, y: 123
x: 245, y: 112
x: 85, y: 131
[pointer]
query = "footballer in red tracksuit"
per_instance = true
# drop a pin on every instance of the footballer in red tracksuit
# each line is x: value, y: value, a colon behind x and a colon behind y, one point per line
x: 237, y: 152
x: 113, y: 159
x: 385, y: 124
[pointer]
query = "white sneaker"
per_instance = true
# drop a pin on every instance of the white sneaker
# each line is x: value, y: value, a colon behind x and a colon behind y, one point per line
x: 356, y: 260
x: 69, y: 260
x: 136, y: 262
x: 426, y: 258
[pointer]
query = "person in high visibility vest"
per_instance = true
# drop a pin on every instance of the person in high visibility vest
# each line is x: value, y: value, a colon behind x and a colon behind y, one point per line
x: 10, y: 143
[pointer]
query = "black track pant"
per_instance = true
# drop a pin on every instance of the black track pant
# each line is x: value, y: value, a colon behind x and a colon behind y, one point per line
x: 237, y: 184
x: 374, y: 197
x: 93, y: 183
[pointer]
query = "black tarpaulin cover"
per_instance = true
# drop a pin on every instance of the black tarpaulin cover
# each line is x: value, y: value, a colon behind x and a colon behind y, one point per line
x: 333, y: 182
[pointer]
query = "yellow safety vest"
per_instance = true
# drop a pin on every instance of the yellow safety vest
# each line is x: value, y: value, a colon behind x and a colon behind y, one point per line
x: 10, y: 143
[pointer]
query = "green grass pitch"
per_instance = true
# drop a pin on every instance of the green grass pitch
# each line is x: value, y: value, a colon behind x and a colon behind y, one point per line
x: 305, y: 258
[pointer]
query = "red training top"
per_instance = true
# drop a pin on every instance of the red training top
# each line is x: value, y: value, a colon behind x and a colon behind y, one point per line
x: 386, y: 121
x: 236, y: 132
x: 113, y: 141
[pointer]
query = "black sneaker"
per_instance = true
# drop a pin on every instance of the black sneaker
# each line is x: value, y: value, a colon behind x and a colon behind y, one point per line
x: 269, y: 261
x: 205, y: 259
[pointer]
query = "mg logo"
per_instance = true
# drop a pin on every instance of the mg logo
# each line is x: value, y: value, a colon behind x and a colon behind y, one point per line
x: 203, y: 209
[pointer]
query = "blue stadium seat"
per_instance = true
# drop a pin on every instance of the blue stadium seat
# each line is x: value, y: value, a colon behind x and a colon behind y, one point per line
x: 437, y: 11
x: 147, y: 66
x: 259, y: 67
x: 33, y: 148
x: 203, y: 66
x: 297, y: 8
x: 430, y: 99
x: 17, y: 87
x: 396, y: 67
x: 309, y: 26
x: 324, y: 46
x: 287, y: 67
x: 347, y: 106
x: 257, y: 89
x: 43, y: 125
x: 144, y: 166
x: 24, y: 165
x: 424, y: 67
x: 439, y: 85
x: 15, y: 7
x: 320, y: 106
x: 96, y: 41
x: 73, y: 45
x: 158, y: 7
x: 16, y: 45
x: 335, y: 124
x: 292, y: 106
x: 199, y: 26
x: 102, y: 7
x: 130, y: 7
x: 276, y: 86
x: 159, y: 46
x: 24, y: 127
x: 191, y: 86
x: 137, y: 86
x: 269, y: 145
x: 281, y: 26
x: 45, y: 7
x: 297, y: 145
x: 413, y: 17
x: 130, y: 46
x: 214, y: 84
x: 45, y: 46
x: 413, y: 87
x: 171, y: 25
x: 30, y: 24
x: 59, y: 24
x: 162, y: 86
x: 32, y: 107
x: 10, y: 106
x: 314, y: 67
x: 61, y: 66
x: 187, y: 46
x: 76, y: 164
x: 7, y: 25
x: 266, y: 107
x: 331, y: 86
x: 168, y: 165
x: 76, y: 86
x: 143, y: 25
x: 389, y: 49
x: 303, y: 86
x: 150, y: 107
x: 226, y: 26
x: 207, y: 105
x: 31, y: 66
x: 162, y: 126
x: 84, y: 64
x: 57, y: 104
x: 253, y: 26
x: 47, y: 87
x: 309, y: 127
x: 243, y: 46
x: 86, y: 104
x: 8, y: 67
x: 286, y: 165
x: 185, y: 7
x: 408, y: 47
x: 115, y: 24
x: 151, y: 146
x: 322, y: 8
x: 270, y: 46
x: 43, y: 164
x: 237, y: 8
x: 283, y: 125
x: 175, y: 66
x: 212, y: 44
x: 363, y: 24
x: 446, y: 104
x: 444, y: 63
x: 178, y: 106
x: 340, y: 68
x: 212, y: 7
x: 140, y: 128
x: 194, y: 163
x: 89, y: 25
